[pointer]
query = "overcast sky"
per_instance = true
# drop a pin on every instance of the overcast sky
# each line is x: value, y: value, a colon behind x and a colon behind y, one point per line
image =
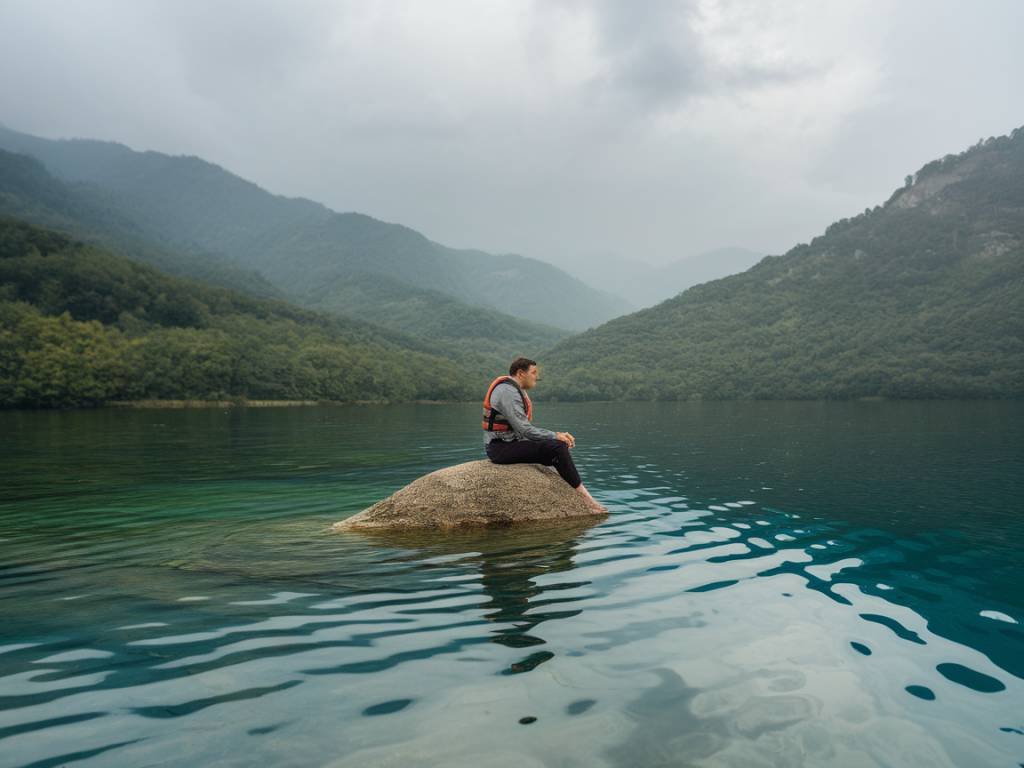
x: 559, y: 129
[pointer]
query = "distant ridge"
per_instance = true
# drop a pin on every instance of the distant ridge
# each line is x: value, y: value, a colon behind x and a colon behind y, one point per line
x: 645, y: 285
x: 30, y: 193
x: 298, y: 245
x: 80, y: 326
x: 922, y: 297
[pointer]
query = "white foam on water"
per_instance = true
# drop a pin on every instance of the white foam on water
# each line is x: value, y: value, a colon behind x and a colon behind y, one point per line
x: 885, y: 587
x: 464, y: 577
x: 81, y: 654
x: 146, y: 625
x: 16, y: 647
x: 439, y: 560
x: 193, y: 599
x: 718, y: 508
x: 998, y: 616
x: 744, y: 526
x: 826, y: 571
x: 758, y: 542
x: 784, y: 537
x: 279, y: 598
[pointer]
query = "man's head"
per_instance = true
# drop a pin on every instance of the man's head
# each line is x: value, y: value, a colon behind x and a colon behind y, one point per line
x: 524, y: 371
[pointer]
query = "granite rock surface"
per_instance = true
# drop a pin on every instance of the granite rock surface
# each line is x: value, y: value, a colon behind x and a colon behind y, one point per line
x: 473, y: 494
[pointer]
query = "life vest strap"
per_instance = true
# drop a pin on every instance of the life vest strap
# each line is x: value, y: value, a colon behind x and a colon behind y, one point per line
x: 493, y: 421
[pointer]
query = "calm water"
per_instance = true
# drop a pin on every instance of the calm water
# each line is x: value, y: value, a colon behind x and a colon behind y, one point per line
x: 777, y: 585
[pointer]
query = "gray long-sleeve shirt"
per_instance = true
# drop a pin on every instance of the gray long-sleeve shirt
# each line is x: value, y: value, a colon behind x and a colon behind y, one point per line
x: 507, y: 401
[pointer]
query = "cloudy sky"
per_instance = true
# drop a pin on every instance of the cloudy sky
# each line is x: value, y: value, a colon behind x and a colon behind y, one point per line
x: 560, y: 129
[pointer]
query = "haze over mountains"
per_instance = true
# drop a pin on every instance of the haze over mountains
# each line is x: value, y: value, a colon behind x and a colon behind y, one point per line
x: 920, y: 297
x: 645, y: 284
x: 29, y: 192
x: 81, y: 326
x: 303, y: 248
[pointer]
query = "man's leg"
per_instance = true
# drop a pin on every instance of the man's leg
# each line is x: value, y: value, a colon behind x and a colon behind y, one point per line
x: 551, y: 453
x: 557, y: 455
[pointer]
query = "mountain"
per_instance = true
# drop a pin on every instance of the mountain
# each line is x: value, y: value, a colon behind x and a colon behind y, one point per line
x: 389, y: 303
x: 922, y: 297
x: 675, y: 277
x: 28, y: 192
x: 644, y: 284
x: 299, y: 245
x: 80, y: 325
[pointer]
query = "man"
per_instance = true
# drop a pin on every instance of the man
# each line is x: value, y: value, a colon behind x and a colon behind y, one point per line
x: 510, y: 438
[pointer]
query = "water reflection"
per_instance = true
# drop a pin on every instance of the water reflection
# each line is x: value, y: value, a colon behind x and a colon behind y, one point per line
x: 507, y: 561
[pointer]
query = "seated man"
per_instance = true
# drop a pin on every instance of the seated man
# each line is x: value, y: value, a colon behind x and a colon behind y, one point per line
x: 510, y: 438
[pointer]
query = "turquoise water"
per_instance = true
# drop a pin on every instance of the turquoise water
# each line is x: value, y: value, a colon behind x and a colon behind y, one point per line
x: 778, y: 584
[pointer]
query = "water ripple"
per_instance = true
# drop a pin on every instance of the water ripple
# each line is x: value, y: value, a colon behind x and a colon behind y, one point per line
x: 694, y: 624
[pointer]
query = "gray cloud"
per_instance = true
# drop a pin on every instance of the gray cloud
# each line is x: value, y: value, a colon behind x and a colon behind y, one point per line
x: 650, y: 51
x: 556, y: 129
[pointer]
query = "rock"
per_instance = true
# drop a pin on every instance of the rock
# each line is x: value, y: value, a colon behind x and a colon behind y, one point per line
x: 475, y: 493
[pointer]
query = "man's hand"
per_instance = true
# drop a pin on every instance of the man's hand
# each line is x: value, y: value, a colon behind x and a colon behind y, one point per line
x: 566, y: 438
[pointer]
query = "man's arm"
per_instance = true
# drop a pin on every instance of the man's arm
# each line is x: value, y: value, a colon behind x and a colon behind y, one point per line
x: 506, y: 399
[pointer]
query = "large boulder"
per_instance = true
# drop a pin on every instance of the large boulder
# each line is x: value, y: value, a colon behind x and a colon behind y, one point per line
x: 474, y: 493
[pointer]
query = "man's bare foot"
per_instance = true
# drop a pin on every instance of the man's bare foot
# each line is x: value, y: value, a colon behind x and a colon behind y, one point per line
x: 590, y: 500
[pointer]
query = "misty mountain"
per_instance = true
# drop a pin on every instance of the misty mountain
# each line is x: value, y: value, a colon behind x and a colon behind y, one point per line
x: 645, y: 284
x: 299, y: 245
x: 82, y: 326
x: 920, y: 297
x: 390, y: 303
x: 28, y: 192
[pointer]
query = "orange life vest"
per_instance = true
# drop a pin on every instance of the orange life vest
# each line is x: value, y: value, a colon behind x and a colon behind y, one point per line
x: 493, y: 420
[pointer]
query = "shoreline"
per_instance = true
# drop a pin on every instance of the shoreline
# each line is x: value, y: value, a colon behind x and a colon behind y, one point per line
x: 185, y: 404
x: 245, y: 403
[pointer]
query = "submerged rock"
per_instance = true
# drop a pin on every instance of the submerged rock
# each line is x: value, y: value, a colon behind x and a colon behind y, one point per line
x: 475, y: 493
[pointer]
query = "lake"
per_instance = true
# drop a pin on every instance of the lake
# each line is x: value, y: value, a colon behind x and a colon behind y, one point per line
x: 778, y: 584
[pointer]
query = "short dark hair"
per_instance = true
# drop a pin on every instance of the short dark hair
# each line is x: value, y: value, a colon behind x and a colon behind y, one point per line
x: 520, y: 364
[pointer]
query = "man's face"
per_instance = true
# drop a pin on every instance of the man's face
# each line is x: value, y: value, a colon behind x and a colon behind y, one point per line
x: 528, y: 378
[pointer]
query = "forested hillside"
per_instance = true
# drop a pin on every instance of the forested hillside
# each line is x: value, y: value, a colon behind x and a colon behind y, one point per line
x: 82, y: 326
x: 300, y: 245
x: 29, y: 192
x: 922, y: 297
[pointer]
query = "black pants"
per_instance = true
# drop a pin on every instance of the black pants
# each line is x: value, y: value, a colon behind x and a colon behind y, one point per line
x: 551, y: 453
